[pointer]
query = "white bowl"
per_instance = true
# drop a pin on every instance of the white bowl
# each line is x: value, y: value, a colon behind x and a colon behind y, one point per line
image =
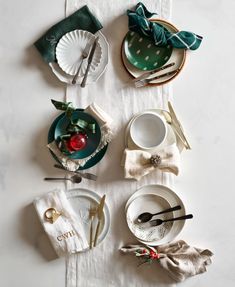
x: 148, y: 130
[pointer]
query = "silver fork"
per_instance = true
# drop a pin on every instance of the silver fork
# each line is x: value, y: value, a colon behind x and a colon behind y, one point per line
x: 145, y: 82
x: 86, y: 175
x: 85, y: 54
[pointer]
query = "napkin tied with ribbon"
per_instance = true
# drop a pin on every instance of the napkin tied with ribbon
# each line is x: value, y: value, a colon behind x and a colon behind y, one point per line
x: 178, y: 258
x: 82, y: 19
x: 105, y: 123
x: 138, y: 163
x: 139, y: 22
x: 66, y: 230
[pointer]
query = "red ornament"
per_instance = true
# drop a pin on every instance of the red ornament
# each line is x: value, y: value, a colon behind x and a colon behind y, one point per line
x: 77, y: 142
x: 154, y: 255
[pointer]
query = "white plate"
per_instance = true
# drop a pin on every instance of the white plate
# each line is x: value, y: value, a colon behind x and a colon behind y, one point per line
x: 169, y: 140
x: 163, y: 197
x: 148, y: 130
x: 69, y: 52
x: 92, y: 77
x: 178, y: 56
x: 81, y: 200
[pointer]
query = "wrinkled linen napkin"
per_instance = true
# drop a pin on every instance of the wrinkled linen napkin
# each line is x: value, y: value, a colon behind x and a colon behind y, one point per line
x: 82, y: 19
x: 139, y: 22
x: 178, y: 258
x: 66, y: 232
x: 138, y: 163
x: 105, y: 123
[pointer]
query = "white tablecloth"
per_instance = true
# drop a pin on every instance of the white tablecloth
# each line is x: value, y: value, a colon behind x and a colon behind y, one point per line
x: 200, y: 94
x: 116, y: 96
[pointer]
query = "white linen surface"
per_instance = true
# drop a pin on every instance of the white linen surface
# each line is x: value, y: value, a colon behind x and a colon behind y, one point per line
x: 104, y: 265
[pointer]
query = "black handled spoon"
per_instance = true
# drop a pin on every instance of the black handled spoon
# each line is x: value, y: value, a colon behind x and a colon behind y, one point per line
x: 146, y: 216
x: 157, y: 222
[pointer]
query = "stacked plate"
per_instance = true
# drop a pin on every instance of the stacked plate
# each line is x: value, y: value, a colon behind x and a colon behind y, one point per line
x: 82, y: 200
x: 58, y: 128
x: 149, y: 133
x: 153, y: 199
x: 69, y: 55
x: 140, y: 54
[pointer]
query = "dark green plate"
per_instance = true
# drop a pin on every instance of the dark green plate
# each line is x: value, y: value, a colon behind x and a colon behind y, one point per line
x: 142, y: 53
x: 91, y: 162
x: 93, y: 140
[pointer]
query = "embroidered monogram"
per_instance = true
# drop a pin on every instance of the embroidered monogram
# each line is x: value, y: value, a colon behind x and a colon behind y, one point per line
x: 66, y: 235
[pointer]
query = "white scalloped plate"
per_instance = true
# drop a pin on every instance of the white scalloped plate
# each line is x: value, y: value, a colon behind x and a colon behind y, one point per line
x: 92, y: 76
x: 69, y: 52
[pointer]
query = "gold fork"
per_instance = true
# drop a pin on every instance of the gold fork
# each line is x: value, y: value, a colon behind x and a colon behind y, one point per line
x: 92, y: 213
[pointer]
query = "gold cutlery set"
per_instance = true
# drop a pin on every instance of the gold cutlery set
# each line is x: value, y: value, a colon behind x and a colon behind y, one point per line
x: 171, y: 119
x: 96, y: 211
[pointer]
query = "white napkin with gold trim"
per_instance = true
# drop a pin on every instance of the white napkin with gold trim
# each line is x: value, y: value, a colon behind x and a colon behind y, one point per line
x: 66, y: 233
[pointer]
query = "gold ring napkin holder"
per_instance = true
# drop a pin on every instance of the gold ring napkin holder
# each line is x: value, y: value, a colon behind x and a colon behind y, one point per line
x: 51, y: 215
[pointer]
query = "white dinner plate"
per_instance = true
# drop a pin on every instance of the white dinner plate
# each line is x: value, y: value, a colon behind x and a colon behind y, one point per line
x: 178, y: 56
x: 81, y: 199
x: 169, y: 139
x: 164, y: 197
x: 94, y: 75
x: 69, y: 52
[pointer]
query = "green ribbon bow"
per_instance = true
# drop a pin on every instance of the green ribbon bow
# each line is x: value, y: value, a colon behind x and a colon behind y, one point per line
x: 138, y: 22
x: 76, y: 125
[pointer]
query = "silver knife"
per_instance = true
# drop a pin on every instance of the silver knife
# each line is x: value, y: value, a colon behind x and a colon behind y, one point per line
x: 83, y: 84
x: 146, y: 75
x: 86, y: 175
x: 85, y: 54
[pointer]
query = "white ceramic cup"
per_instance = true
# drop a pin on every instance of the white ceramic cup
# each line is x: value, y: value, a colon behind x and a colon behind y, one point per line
x: 148, y: 130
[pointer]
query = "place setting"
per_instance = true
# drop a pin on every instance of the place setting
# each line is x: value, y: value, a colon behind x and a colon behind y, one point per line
x: 75, y: 220
x: 75, y: 48
x: 154, y: 51
x: 78, y: 139
x: 154, y: 140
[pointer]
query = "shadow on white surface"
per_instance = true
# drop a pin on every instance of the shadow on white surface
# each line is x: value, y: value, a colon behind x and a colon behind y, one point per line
x: 33, y: 59
x: 33, y: 233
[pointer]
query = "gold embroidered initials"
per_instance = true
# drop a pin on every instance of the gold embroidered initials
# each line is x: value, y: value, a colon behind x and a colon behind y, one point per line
x: 66, y: 235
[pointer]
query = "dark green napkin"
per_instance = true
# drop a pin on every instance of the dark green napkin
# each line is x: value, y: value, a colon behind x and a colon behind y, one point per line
x: 82, y: 19
x: 139, y: 22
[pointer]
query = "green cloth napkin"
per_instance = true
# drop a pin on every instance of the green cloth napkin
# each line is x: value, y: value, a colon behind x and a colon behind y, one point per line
x: 138, y: 22
x: 82, y: 19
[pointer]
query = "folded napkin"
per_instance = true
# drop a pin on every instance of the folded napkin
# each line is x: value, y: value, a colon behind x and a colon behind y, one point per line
x: 82, y: 19
x: 178, y: 258
x: 105, y: 123
x: 65, y: 229
x: 138, y: 22
x: 138, y: 163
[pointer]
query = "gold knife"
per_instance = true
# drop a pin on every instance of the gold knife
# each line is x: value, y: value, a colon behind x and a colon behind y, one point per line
x: 177, y: 122
x: 100, y: 216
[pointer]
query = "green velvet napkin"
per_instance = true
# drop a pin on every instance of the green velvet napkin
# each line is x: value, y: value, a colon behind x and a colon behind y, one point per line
x: 82, y: 19
x: 139, y: 22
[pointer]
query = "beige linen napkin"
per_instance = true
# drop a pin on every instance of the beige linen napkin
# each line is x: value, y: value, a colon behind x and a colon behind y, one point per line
x: 66, y: 232
x: 138, y: 163
x: 178, y: 258
x: 105, y: 123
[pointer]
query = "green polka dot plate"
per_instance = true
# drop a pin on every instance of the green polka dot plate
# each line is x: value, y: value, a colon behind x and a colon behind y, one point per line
x: 142, y: 53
